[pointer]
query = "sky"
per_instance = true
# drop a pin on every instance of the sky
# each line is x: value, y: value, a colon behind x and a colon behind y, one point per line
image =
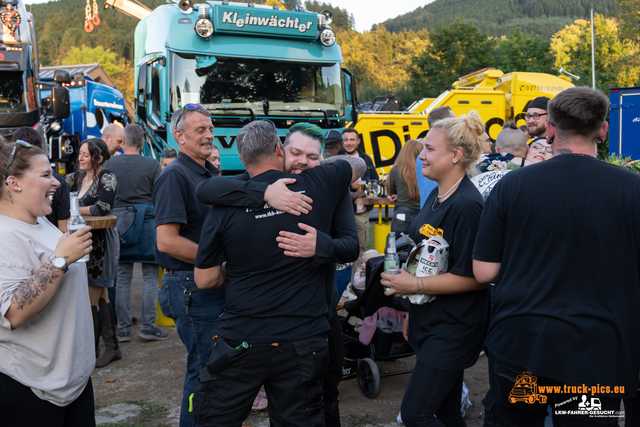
x: 369, y: 12
x: 365, y: 12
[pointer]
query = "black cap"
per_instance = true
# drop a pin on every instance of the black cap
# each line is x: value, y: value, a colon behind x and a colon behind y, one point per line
x: 539, y: 102
x: 332, y: 137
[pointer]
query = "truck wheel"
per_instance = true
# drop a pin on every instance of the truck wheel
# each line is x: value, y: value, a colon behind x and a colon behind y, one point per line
x: 369, y: 378
x: 542, y: 398
x: 512, y: 399
x: 531, y: 399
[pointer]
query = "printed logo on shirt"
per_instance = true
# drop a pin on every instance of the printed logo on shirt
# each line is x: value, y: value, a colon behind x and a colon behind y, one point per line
x: 428, y: 230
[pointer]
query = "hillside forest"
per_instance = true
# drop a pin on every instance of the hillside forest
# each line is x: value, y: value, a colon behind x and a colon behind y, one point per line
x: 415, y: 55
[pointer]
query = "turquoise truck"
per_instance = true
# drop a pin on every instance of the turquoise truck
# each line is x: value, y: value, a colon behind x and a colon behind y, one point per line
x: 243, y: 62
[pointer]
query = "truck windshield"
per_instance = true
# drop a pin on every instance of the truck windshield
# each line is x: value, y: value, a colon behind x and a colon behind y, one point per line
x: 12, y: 92
x: 232, y: 87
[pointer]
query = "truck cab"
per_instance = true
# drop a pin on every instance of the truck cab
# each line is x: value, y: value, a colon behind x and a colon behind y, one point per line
x: 242, y: 62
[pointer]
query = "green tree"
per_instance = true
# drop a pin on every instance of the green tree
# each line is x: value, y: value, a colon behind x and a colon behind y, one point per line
x: 615, y: 57
x: 454, y: 50
x: 86, y: 55
x: 629, y: 16
x: 518, y: 52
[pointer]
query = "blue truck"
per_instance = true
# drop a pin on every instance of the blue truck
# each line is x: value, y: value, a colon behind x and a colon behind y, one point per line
x: 243, y: 62
x: 624, y: 121
x: 93, y: 107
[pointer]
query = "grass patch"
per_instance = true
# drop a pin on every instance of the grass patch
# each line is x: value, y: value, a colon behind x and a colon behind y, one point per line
x: 148, y: 413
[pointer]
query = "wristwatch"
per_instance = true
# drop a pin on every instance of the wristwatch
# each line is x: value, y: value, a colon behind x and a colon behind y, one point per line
x: 59, y: 262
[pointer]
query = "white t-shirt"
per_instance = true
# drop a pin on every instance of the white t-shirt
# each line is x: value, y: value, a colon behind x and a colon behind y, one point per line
x: 54, y: 354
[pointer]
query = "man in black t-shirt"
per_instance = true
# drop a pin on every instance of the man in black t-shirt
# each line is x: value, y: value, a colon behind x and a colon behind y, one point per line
x: 136, y: 175
x: 179, y: 219
x: 273, y: 329
x: 561, y: 241
x: 302, y: 150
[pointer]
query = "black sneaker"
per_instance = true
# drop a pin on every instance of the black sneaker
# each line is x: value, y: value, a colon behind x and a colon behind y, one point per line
x: 153, y: 334
x: 124, y: 337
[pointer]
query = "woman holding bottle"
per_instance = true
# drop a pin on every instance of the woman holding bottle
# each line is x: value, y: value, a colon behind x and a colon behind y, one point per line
x: 447, y: 334
x: 46, y: 343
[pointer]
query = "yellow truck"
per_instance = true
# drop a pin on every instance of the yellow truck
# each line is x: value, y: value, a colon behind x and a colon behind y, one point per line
x: 496, y: 96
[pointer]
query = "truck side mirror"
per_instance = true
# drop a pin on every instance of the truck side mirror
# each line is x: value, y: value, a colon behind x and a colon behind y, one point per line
x: 141, y: 93
x: 350, y: 95
x: 60, y: 107
x: 61, y: 76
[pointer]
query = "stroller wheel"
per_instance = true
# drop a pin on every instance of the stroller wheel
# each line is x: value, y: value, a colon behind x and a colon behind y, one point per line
x: 369, y: 378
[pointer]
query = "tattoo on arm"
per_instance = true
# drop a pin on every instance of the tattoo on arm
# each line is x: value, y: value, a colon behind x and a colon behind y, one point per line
x: 30, y: 289
x: 358, y: 166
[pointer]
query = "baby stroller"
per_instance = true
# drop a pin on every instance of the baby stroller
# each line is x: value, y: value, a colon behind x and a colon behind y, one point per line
x: 360, y: 359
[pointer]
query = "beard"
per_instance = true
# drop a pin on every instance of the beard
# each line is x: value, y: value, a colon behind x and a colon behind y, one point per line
x: 537, y: 131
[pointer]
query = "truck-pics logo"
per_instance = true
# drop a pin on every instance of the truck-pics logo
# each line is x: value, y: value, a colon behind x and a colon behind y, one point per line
x: 526, y: 390
x: 259, y: 21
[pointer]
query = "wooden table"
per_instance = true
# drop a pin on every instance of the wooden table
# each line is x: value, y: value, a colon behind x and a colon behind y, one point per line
x: 98, y: 222
x: 380, y: 202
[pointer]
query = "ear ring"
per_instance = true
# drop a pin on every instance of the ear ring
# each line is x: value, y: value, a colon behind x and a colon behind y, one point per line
x: 455, y: 161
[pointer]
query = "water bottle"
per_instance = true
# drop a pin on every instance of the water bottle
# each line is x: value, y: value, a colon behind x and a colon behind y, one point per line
x: 76, y: 222
x: 391, y: 259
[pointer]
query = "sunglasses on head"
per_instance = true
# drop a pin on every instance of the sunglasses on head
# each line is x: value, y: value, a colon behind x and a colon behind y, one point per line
x: 12, y: 156
x: 191, y: 107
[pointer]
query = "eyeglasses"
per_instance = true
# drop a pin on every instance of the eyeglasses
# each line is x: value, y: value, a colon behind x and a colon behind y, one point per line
x: 534, y: 116
x: 13, y: 152
x: 540, y: 147
x: 192, y: 107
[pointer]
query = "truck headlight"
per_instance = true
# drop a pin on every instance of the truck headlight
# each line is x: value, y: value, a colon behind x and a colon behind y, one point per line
x: 204, y: 28
x: 327, y: 37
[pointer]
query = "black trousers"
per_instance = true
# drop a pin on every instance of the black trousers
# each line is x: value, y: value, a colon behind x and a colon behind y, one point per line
x: 433, y: 398
x: 19, y: 407
x: 292, y: 374
x: 334, y: 373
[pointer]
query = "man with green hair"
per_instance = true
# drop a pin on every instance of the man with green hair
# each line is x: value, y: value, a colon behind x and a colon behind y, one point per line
x: 303, y: 146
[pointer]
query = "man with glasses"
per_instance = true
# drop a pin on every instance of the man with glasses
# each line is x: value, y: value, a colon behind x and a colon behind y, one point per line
x: 537, y: 116
x: 179, y: 219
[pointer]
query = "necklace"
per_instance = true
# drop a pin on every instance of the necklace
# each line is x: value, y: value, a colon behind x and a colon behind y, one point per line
x: 437, y: 203
x: 451, y: 189
x: 87, y: 182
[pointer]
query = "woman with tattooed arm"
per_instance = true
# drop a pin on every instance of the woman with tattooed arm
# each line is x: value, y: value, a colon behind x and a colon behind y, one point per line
x: 46, y: 335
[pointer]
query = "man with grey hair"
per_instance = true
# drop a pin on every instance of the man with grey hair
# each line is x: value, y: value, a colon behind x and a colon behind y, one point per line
x: 112, y: 135
x: 285, y: 346
x: 566, y: 298
x: 136, y: 175
x: 179, y: 219
x: 512, y: 140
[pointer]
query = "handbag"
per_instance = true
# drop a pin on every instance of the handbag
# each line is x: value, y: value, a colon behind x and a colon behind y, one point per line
x: 129, y: 224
